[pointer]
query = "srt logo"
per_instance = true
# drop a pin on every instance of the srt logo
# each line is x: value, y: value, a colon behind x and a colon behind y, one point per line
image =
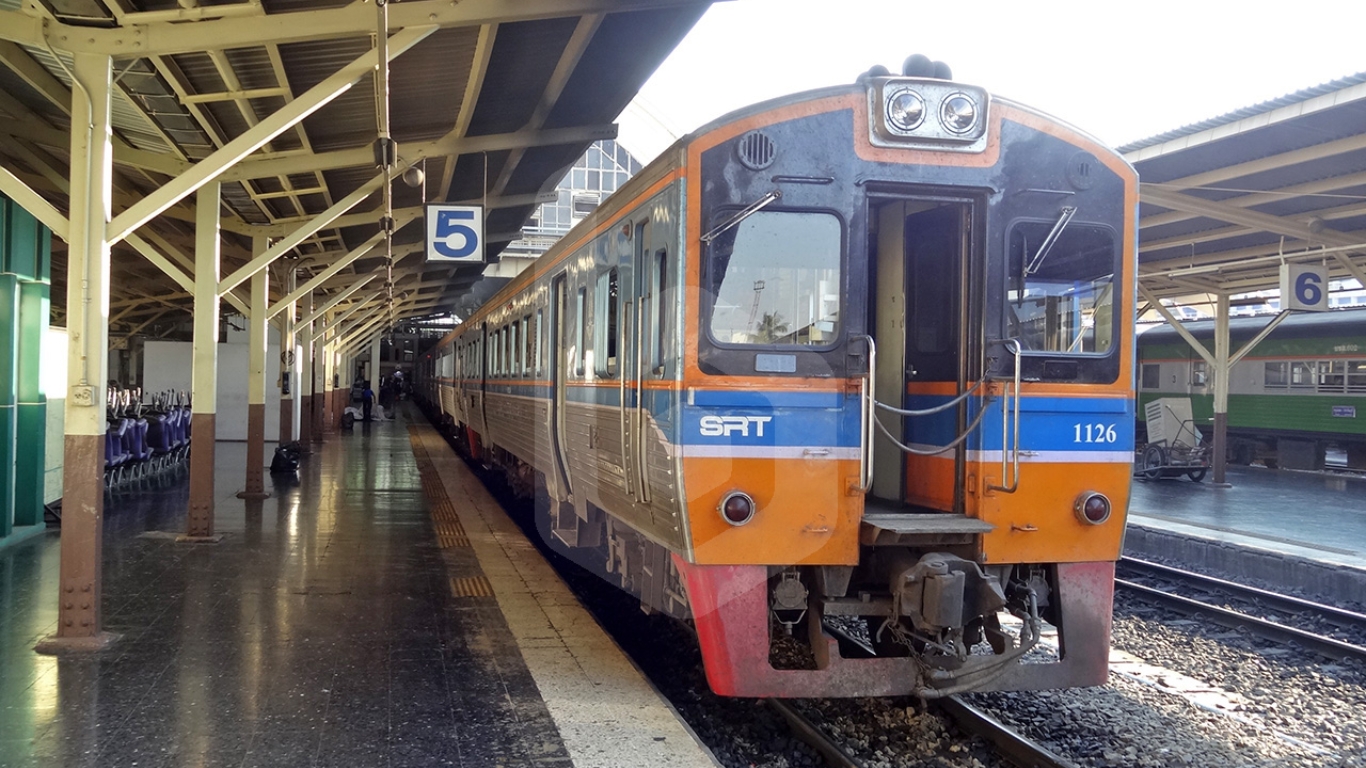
x: 719, y: 426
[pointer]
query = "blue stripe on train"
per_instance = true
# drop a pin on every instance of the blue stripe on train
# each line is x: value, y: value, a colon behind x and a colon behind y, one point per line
x: 1046, y: 424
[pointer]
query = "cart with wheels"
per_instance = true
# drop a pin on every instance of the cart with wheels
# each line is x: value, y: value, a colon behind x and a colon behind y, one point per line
x: 1175, y: 447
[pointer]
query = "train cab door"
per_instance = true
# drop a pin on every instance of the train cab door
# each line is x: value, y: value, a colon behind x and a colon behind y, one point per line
x: 921, y: 328
x: 557, y: 375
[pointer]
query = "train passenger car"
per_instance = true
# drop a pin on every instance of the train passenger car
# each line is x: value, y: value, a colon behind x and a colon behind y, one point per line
x: 1297, y: 394
x: 858, y: 359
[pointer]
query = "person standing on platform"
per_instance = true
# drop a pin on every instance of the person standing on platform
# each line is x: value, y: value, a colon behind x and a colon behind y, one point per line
x: 367, y: 401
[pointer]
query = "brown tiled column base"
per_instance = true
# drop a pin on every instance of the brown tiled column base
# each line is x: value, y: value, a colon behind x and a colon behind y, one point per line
x: 305, y: 418
x: 200, y: 525
x: 256, y: 453
x: 78, y: 611
x: 286, y: 420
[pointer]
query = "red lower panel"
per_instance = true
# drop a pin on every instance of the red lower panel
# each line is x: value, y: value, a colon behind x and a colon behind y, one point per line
x: 730, y: 608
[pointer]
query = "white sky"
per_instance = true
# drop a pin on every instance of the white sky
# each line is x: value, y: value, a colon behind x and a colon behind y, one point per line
x: 1119, y: 71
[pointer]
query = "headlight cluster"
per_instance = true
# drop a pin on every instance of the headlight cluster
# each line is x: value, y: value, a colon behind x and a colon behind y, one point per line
x: 928, y: 111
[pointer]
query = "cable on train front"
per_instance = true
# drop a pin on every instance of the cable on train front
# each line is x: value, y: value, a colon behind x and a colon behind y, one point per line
x: 907, y: 390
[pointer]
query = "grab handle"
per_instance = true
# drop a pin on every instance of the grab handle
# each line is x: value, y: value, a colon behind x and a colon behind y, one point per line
x: 1010, y: 436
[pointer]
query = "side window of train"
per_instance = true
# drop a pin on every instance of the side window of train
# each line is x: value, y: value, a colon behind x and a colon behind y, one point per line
x: 1060, y: 297
x: 540, y: 364
x: 528, y: 362
x: 660, y: 316
x: 605, y: 331
x: 580, y: 320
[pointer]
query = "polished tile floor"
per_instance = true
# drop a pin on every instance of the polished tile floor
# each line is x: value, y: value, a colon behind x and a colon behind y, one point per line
x: 323, y: 630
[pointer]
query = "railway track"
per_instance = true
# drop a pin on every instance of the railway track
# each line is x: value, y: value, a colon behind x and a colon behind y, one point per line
x: 1258, y: 604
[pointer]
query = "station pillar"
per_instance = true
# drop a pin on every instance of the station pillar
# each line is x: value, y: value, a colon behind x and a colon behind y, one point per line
x: 1222, y: 374
x: 289, y: 376
x: 79, y: 621
x: 320, y: 388
x: 256, y: 384
x: 204, y: 386
x: 305, y: 383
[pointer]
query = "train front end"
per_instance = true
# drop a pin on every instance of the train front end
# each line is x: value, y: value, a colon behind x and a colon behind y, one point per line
x: 907, y: 404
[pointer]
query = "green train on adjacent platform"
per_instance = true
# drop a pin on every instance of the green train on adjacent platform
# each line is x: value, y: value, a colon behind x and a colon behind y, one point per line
x: 1300, y: 393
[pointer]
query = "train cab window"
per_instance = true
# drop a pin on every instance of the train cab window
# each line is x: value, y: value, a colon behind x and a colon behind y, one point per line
x: 1152, y: 376
x: 578, y: 353
x: 605, y: 333
x: 1061, y: 290
x: 775, y: 279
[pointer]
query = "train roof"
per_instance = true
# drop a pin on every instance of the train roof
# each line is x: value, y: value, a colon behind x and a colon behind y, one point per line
x: 1300, y: 325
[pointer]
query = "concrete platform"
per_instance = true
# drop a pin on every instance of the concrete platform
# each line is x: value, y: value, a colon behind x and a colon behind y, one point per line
x: 1305, y: 530
x: 344, y: 621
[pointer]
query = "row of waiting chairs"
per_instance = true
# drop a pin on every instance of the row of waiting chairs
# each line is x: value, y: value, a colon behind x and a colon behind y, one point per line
x: 143, y: 439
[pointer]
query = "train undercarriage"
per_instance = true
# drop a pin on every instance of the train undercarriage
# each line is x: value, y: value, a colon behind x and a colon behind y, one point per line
x: 912, y: 618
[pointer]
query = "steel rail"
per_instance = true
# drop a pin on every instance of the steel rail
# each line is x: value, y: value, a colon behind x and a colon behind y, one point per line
x: 1326, y: 646
x: 807, y: 731
x: 1276, y: 601
x: 1009, y: 744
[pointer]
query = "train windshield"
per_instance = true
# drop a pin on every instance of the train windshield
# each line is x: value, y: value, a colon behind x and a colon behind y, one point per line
x: 776, y: 280
x: 1061, y: 293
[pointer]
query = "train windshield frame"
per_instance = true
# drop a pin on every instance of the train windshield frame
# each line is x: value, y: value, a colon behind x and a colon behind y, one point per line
x: 775, y: 280
x: 1061, y: 284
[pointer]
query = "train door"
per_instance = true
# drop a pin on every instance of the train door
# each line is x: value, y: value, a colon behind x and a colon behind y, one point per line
x: 557, y: 333
x: 921, y: 329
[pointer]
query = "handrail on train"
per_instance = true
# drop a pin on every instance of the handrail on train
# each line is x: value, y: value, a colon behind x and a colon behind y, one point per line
x: 1010, y: 461
x: 867, y: 397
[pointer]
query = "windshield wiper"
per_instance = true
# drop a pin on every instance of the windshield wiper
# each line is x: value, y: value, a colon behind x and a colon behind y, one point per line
x: 741, y: 215
x: 1048, y: 242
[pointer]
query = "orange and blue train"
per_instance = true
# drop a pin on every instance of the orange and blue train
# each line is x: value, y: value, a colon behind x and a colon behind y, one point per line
x: 848, y: 372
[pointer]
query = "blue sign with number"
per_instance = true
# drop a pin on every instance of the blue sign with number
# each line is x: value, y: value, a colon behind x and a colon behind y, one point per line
x: 455, y: 233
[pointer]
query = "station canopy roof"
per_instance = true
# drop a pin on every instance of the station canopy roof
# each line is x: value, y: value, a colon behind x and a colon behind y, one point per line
x: 1224, y: 202
x: 494, y: 104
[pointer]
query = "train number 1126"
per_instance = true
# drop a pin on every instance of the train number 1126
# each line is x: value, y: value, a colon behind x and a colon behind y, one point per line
x: 1094, y: 433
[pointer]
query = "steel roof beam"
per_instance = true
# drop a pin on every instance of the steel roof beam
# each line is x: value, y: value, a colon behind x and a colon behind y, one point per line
x: 211, y: 167
x: 451, y: 144
x: 554, y: 88
x: 1253, y: 199
x: 334, y: 268
x: 34, y: 203
x: 1232, y: 214
x: 1270, y: 163
x: 372, y: 217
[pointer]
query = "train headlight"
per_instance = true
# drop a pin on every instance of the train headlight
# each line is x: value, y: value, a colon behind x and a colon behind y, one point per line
x: 906, y: 109
x: 927, y: 113
x: 736, y: 508
x: 1092, y: 508
x: 958, y: 113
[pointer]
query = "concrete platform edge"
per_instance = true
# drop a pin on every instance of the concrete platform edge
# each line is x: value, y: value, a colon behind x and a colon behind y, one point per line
x: 1325, y: 580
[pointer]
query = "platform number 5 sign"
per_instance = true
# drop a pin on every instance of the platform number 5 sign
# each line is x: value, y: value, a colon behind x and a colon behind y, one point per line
x: 455, y: 233
x: 1304, y: 286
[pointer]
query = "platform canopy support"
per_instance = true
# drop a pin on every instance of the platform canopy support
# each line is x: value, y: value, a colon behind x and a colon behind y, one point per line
x: 204, y: 387
x: 79, y: 622
x: 256, y: 385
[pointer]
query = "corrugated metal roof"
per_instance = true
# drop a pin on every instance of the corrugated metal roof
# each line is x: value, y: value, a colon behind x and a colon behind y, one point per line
x: 1259, y: 108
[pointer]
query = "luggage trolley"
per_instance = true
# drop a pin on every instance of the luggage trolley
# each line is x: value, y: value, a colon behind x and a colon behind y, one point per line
x: 1175, y: 447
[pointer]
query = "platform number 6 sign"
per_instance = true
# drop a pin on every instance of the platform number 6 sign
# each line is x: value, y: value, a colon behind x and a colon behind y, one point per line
x: 455, y: 233
x: 1304, y: 286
